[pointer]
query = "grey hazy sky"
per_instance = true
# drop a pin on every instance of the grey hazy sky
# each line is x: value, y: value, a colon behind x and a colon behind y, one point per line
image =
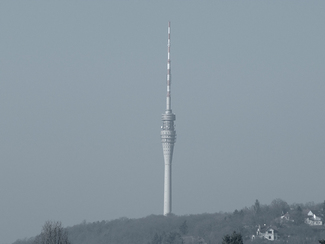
x: 82, y: 89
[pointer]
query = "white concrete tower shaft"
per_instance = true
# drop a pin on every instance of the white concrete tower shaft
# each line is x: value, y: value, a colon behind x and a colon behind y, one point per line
x: 168, y: 136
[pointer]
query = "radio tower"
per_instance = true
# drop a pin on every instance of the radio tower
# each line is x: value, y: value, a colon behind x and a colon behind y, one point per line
x: 168, y: 137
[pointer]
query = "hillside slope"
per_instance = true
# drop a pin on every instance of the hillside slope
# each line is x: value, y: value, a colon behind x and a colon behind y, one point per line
x: 201, y: 228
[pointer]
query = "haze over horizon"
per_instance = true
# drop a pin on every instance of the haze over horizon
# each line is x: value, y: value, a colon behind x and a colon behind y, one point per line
x: 83, y: 86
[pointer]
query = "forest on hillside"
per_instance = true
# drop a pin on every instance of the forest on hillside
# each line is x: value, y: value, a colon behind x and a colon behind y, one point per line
x: 203, y: 228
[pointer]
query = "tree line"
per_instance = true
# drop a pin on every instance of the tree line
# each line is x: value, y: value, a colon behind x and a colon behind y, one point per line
x: 217, y: 228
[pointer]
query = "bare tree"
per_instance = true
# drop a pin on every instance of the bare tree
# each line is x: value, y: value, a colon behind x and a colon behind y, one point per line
x: 52, y: 233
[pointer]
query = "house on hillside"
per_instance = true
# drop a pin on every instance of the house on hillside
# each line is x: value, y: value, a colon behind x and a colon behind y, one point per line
x: 267, y: 232
x: 312, y: 219
x: 285, y: 217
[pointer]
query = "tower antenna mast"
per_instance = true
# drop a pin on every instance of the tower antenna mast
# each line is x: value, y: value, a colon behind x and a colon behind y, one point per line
x: 168, y: 136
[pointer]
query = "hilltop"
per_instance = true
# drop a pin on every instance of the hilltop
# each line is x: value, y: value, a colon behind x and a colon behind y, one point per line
x: 289, y: 223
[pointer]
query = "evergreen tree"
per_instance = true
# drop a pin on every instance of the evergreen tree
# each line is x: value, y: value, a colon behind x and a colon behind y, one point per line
x: 156, y: 239
x: 183, y: 228
x: 173, y: 238
x: 257, y: 207
x: 235, y: 238
x: 298, y: 216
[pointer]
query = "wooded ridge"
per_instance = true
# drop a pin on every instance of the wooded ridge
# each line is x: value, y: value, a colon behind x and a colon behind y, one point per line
x: 289, y: 223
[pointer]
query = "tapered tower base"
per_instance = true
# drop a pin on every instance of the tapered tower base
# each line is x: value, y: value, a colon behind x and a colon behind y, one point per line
x: 168, y: 154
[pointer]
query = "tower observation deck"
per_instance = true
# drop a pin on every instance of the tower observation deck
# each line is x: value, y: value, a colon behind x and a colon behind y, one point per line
x: 168, y: 136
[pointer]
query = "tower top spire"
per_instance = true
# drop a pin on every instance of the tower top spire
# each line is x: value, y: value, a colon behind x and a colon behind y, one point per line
x: 168, y: 98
